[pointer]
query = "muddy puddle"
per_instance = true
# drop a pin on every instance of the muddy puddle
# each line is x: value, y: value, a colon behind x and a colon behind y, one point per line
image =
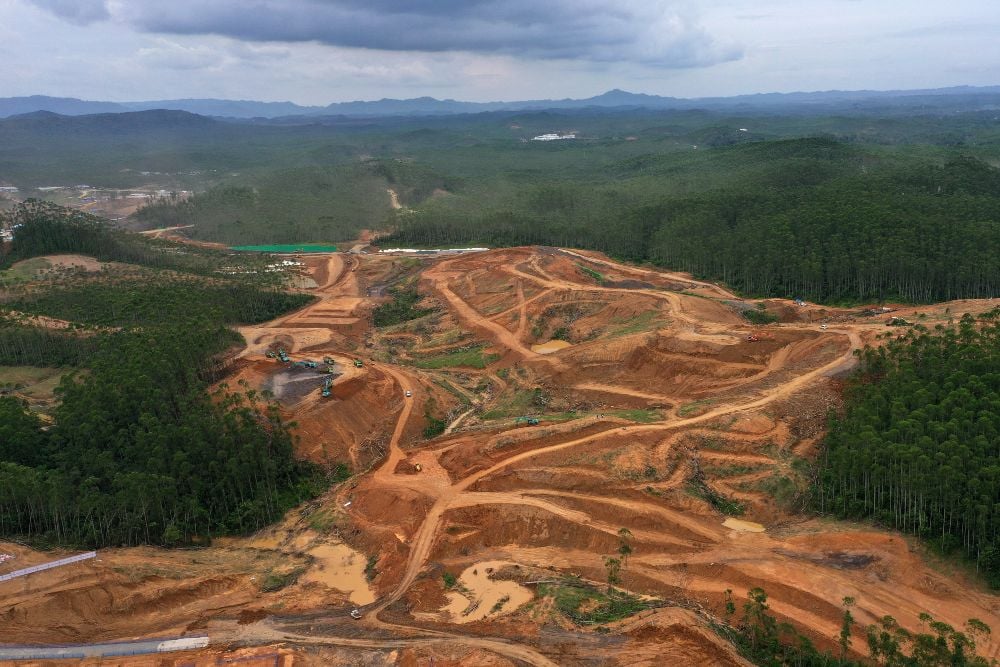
x: 341, y: 568
x: 550, y: 347
x: 483, y: 596
x: 742, y: 526
x: 293, y: 384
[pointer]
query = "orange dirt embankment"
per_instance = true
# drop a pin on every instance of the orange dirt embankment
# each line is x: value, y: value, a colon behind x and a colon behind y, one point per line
x: 657, y: 392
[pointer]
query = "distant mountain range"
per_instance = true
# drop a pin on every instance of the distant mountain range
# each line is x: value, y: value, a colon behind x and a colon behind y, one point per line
x: 929, y: 100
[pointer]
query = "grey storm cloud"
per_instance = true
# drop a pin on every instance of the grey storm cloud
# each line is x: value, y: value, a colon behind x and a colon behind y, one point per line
x: 76, y: 11
x: 653, y: 32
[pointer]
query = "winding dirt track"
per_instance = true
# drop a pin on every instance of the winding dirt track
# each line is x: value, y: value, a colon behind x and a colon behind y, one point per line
x: 492, y: 478
x: 460, y: 494
x: 473, y: 319
x: 719, y: 291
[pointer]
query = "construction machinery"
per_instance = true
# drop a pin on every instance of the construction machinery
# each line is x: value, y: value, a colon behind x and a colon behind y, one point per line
x: 757, y: 336
x: 283, y: 356
x: 358, y: 363
x: 329, y: 361
x: 270, y: 355
x: 327, y: 384
x: 530, y: 421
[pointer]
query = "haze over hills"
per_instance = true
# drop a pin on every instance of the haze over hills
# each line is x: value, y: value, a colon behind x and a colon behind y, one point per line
x: 937, y: 99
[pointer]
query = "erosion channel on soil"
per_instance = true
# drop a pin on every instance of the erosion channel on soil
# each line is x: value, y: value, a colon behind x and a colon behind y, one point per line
x: 572, y: 408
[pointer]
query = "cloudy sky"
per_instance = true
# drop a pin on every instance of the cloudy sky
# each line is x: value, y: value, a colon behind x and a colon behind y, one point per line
x: 321, y: 51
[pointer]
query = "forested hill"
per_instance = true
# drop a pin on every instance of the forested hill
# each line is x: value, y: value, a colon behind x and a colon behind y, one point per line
x: 810, y: 218
x: 918, y: 448
x: 138, y: 451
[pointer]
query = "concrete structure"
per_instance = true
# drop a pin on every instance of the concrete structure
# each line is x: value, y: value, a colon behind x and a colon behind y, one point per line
x: 553, y: 137
x: 138, y: 647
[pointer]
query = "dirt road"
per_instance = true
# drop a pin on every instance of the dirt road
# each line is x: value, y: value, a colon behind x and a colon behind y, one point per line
x: 555, y: 495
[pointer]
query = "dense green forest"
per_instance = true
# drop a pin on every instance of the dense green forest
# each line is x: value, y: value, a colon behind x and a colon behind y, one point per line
x: 918, y: 448
x: 830, y: 208
x: 126, y: 298
x: 24, y: 344
x: 306, y: 204
x: 138, y: 451
x: 44, y: 229
x: 811, y: 218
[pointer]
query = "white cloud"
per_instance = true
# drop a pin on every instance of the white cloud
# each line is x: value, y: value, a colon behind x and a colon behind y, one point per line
x: 665, y: 47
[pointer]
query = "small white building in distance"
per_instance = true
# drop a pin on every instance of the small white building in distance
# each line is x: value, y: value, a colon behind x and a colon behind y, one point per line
x: 553, y: 137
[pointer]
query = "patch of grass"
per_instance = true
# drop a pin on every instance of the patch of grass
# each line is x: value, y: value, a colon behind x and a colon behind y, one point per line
x: 471, y: 358
x: 371, y: 570
x: 640, y: 416
x: 321, y: 521
x: 690, y: 408
x: 340, y: 473
x: 712, y: 444
x: 759, y: 315
x: 275, y: 581
x: 499, y: 604
x: 448, y: 337
x: 450, y: 388
x: 521, y: 402
x: 449, y: 580
x: 598, y: 277
x: 585, y: 604
x: 567, y: 416
x: 435, y: 426
x: 641, y: 322
x: 697, y: 487
x: 735, y: 469
x: 419, y: 326
x: 788, y: 492
x: 19, y: 377
x: 402, y: 308
x: 24, y: 271
x: 801, y: 465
